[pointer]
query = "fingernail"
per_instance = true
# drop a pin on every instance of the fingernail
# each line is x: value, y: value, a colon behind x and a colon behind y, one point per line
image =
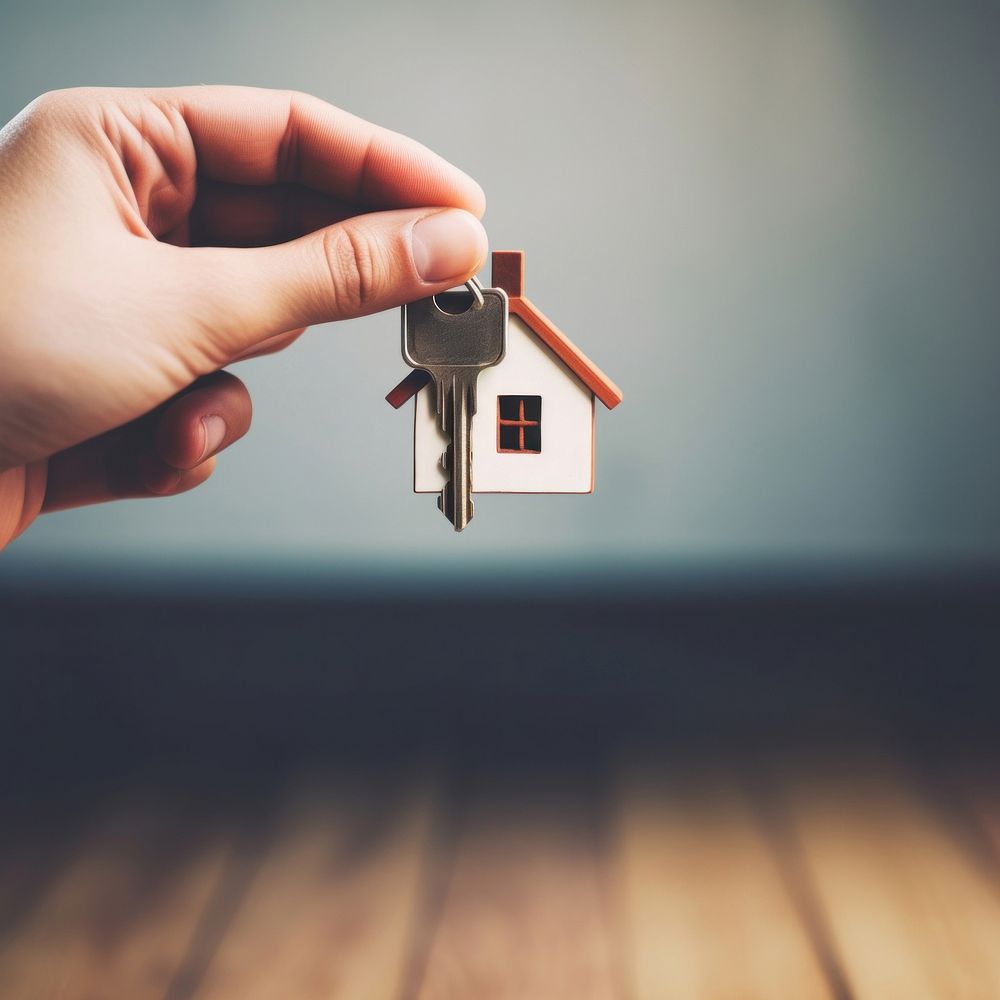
x: 448, y: 244
x: 214, y: 428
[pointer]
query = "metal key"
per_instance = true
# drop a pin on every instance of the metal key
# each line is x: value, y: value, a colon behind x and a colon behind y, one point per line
x: 453, y: 347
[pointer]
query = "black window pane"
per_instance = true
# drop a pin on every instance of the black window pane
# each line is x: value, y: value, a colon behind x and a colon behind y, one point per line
x: 509, y: 438
x: 510, y: 407
x: 532, y: 407
x: 533, y: 438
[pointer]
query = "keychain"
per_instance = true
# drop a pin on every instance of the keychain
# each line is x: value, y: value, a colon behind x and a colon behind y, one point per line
x: 504, y: 401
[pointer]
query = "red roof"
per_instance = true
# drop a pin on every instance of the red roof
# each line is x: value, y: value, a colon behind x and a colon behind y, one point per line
x: 508, y: 274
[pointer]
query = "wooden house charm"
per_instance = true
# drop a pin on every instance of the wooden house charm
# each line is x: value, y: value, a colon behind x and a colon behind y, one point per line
x: 533, y: 431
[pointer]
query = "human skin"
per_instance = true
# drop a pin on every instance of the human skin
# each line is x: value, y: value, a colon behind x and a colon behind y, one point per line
x: 148, y: 238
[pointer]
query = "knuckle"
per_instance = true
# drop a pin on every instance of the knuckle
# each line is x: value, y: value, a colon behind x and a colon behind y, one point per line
x: 45, y: 108
x: 61, y: 102
x: 296, y: 97
x: 64, y: 107
x: 51, y: 100
x: 350, y: 257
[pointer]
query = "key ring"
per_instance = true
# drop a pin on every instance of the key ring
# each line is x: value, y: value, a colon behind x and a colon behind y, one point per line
x: 477, y: 292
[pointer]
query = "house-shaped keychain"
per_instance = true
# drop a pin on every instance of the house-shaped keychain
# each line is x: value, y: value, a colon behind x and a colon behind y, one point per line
x: 533, y: 431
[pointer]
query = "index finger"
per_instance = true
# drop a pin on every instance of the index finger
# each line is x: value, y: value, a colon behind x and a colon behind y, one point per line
x: 246, y: 135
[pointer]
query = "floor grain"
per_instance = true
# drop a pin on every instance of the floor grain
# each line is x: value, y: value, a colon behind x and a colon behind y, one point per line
x: 909, y: 908
x: 704, y: 911
x: 525, y: 914
x: 330, y: 913
x: 116, y: 921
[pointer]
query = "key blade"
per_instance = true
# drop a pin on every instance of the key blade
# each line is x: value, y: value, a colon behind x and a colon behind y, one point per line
x: 458, y: 397
x: 460, y: 516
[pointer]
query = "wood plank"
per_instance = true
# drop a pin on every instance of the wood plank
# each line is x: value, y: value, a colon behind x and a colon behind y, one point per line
x: 979, y: 787
x: 912, y: 913
x: 705, y: 912
x: 118, y: 919
x: 331, y: 911
x: 34, y: 852
x: 524, y: 915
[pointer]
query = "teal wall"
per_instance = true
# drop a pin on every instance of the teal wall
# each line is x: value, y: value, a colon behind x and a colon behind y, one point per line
x: 775, y: 224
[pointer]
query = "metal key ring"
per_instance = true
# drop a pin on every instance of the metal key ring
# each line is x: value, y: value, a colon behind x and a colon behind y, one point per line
x: 477, y: 292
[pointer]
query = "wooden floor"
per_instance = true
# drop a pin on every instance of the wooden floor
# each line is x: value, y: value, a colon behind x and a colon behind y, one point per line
x: 858, y: 877
x: 217, y: 791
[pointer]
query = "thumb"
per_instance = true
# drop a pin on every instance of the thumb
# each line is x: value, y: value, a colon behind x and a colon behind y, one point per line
x: 239, y: 297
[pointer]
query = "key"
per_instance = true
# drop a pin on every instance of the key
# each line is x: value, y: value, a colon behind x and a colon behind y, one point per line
x: 453, y: 346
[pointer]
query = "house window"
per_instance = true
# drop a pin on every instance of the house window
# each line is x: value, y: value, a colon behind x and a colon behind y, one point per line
x: 519, y: 424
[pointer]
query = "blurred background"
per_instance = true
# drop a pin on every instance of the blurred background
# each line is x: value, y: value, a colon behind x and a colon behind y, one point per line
x: 775, y: 225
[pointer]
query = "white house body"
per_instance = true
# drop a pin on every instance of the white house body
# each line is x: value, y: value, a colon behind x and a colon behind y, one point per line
x: 504, y: 459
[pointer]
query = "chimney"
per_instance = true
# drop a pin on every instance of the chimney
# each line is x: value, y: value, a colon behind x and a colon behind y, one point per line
x: 508, y: 272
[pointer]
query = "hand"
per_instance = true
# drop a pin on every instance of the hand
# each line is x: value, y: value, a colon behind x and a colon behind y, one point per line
x: 149, y: 238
